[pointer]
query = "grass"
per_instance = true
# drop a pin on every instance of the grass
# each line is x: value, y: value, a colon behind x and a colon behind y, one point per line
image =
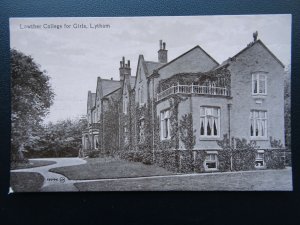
x: 31, y: 164
x: 100, y: 168
x: 273, y: 180
x: 26, y: 181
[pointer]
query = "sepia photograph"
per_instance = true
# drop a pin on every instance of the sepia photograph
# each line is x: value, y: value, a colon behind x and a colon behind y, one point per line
x: 170, y: 103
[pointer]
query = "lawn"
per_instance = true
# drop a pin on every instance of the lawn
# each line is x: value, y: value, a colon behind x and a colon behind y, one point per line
x: 101, y: 168
x: 273, y: 180
x: 31, y: 164
x: 26, y: 181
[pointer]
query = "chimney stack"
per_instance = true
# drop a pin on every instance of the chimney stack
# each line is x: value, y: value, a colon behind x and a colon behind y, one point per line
x: 125, y: 70
x: 162, y: 52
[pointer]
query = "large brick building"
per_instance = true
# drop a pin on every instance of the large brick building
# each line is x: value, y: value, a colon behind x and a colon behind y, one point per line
x: 176, y: 113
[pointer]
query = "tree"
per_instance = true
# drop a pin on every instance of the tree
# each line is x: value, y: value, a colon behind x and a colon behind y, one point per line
x: 287, y: 106
x: 60, y: 139
x: 31, y: 99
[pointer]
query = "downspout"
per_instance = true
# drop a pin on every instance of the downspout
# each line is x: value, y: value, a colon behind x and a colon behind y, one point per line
x: 119, y: 115
x: 229, y: 134
x: 102, y: 125
x: 229, y: 128
x: 153, y: 125
x: 193, y: 152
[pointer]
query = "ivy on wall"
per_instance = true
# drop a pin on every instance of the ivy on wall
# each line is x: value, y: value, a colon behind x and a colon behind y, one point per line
x: 186, y: 131
x: 236, y: 154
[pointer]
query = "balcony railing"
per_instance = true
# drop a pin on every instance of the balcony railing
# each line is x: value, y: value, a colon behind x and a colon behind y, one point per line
x: 193, y: 89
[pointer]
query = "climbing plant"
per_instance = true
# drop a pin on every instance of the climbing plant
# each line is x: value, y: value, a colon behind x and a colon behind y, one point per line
x: 186, y: 131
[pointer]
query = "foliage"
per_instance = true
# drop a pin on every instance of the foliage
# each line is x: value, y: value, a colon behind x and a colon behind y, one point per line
x: 111, y: 125
x: 186, y: 131
x: 61, y: 139
x: 31, y: 98
x: 236, y: 154
x: 287, y: 106
x: 275, y: 143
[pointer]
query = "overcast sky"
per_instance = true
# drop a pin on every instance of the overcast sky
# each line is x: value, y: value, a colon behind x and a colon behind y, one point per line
x: 74, y: 57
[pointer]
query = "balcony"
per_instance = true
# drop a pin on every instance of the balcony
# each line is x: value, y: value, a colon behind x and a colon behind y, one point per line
x: 193, y: 89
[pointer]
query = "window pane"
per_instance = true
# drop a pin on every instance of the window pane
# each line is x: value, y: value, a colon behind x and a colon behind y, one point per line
x: 213, y: 157
x: 202, y: 111
x: 262, y: 87
x: 209, y: 127
x: 209, y: 111
x: 215, y: 112
x: 215, y: 128
x: 201, y: 126
x: 167, y: 114
x: 254, y: 86
x: 211, y: 165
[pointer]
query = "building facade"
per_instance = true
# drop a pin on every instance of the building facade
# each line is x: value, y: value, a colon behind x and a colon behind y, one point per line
x: 180, y: 114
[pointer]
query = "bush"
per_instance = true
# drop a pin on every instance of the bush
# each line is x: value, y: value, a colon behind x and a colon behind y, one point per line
x: 93, y: 154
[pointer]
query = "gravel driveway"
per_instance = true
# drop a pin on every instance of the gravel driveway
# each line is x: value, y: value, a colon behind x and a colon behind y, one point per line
x: 54, y: 181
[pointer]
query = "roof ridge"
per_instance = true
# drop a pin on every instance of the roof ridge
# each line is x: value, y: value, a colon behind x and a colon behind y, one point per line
x: 183, y: 54
x: 249, y: 46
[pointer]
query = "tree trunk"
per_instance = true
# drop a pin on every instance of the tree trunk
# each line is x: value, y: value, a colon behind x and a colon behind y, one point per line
x: 20, y: 156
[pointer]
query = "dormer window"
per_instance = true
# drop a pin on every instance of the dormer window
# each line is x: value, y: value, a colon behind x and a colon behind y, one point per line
x: 259, y: 83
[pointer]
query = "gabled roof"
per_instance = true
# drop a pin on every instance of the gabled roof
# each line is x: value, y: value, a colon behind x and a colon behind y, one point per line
x: 250, y: 46
x: 151, y: 66
x: 174, y: 60
x: 105, y: 96
x: 109, y: 86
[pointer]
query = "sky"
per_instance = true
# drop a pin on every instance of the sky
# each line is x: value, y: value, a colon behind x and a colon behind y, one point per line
x: 74, y: 56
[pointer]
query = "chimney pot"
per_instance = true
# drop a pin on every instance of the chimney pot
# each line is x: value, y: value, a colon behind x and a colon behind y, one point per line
x: 128, y: 63
x: 164, y: 45
x: 111, y: 78
x: 160, y: 44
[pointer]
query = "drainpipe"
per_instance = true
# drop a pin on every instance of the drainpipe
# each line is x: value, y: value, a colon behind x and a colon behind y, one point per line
x: 229, y: 134
x: 119, y: 117
x: 153, y: 125
x: 229, y: 128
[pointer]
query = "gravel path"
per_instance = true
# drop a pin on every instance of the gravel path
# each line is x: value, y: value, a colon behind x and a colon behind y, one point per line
x: 54, y: 181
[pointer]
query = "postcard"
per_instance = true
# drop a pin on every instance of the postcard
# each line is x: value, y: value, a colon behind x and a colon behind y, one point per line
x: 181, y: 103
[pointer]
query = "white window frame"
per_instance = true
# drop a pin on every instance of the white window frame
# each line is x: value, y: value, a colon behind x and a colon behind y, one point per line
x: 142, y: 131
x: 259, y: 123
x: 211, y: 157
x: 258, y: 78
x: 260, y: 157
x: 96, y: 139
x: 126, y: 138
x: 206, y: 117
x: 165, y: 125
